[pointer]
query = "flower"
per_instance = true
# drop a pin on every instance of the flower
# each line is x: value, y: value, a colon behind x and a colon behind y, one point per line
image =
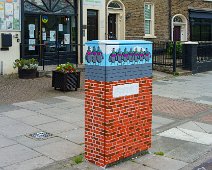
x: 66, y: 68
x: 25, y: 64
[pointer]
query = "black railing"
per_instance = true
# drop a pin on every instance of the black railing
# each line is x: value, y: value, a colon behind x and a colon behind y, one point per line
x: 204, y: 52
x: 167, y: 54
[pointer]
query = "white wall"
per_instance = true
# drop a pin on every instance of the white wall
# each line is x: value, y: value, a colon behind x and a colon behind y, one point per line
x: 101, y: 21
x: 8, y: 57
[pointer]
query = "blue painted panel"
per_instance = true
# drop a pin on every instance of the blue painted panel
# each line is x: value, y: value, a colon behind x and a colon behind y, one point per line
x: 118, y: 53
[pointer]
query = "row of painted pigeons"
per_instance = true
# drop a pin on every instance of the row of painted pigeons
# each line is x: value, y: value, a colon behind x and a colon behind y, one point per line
x: 96, y: 56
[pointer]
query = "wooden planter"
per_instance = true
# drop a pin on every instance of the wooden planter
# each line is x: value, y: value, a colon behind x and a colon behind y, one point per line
x: 27, y: 73
x: 65, y: 81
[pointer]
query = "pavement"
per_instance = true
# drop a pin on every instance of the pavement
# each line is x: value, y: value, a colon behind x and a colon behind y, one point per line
x: 182, y: 126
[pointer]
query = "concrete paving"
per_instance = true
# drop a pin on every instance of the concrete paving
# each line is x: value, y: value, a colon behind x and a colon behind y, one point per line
x: 181, y: 130
x: 195, y: 88
x: 64, y: 120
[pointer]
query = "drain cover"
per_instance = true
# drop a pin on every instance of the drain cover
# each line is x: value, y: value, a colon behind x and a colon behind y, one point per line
x: 41, y: 135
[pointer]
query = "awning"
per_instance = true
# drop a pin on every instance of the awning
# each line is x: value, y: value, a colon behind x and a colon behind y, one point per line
x: 200, y: 14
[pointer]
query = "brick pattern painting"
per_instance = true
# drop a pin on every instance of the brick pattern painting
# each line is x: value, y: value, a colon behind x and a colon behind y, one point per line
x: 118, y: 100
x: 116, y: 128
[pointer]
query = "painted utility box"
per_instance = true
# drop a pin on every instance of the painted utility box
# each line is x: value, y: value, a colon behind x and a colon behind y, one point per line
x: 118, y: 100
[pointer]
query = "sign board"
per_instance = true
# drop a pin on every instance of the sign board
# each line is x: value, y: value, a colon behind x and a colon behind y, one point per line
x: 10, y: 15
x: 93, y: 2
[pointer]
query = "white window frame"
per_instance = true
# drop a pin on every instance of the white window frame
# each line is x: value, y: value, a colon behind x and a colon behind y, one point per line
x: 152, y: 21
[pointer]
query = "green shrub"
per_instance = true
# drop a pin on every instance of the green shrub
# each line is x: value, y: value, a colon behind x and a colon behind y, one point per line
x: 78, y: 159
x: 179, y: 49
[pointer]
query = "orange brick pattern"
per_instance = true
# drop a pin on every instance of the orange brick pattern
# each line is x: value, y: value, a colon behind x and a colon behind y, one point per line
x: 116, y: 128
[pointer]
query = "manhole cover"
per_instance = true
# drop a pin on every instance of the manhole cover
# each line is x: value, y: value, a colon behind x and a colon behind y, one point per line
x: 40, y: 135
x: 205, y: 166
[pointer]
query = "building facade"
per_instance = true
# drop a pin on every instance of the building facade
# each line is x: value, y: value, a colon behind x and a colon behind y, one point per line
x: 54, y: 31
x: 50, y: 31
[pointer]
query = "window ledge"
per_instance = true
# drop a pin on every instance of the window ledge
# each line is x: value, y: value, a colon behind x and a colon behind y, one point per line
x: 149, y: 36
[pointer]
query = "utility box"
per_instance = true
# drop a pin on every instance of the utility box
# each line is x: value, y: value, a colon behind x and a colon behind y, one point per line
x: 118, y: 100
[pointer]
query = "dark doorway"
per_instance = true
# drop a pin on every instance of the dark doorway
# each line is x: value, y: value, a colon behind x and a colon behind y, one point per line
x: 112, y: 27
x: 49, y: 31
x: 177, y: 33
x: 92, y: 25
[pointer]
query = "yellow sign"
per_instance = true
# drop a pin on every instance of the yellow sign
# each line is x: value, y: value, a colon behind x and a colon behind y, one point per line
x: 45, y: 19
x: 1, y: 6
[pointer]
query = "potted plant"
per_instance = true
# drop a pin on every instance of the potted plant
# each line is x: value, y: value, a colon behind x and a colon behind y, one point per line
x: 27, y: 68
x: 66, y: 77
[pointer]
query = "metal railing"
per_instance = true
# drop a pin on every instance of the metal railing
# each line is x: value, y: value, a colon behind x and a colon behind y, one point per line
x: 167, y: 54
x: 204, y: 52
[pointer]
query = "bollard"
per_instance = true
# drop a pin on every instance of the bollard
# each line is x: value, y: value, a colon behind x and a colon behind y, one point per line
x: 118, y: 100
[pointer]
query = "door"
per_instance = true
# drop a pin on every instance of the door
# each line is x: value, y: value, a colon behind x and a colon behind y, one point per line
x: 56, y: 38
x: 177, y: 33
x: 92, y: 25
x: 112, y: 27
x: 49, y: 38
x: 31, y: 37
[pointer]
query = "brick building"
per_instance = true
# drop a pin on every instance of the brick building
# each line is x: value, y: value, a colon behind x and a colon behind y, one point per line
x: 162, y: 19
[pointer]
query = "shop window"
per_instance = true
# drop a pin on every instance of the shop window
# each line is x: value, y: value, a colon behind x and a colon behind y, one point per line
x: 201, y: 29
x: 149, y: 19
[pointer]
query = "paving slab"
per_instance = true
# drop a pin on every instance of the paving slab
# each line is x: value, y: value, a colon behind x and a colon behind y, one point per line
x: 195, y: 92
x: 161, y: 120
x: 60, y: 150
x: 4, y: 142
x: 57, y: 127
x: 49, y: 101
x: 54, y: 111
x: 163, y: 144
x: 15, y: 154
x: 18, y: 114
x: 30, y: 164
x: 38, y: 119
x: 6, y: 121
x: 72, y: 116
x: 15, y: 130
x: 197, y: 126
x: 188, y: 152
x: 66, y: 105
x: 156, y: 125
x: 204, y: 99
x: 130, y: 166
x: 80, y: 124
x: 160, y: 162
x: 33, y: 143
x: 71, y: 99
x: 86, y: 166
x: 8, y: 107
x: 32, y: 105
x: 188, y: 135
x: 75, y: 136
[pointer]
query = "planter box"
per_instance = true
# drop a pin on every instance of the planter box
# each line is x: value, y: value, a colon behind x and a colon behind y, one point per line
x: 27, y: 73
x: 65, y: 81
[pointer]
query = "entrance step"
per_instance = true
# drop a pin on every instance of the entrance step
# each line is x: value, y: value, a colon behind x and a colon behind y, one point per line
x: 182, y: 72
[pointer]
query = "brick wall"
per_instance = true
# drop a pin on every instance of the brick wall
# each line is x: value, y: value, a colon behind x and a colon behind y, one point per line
x: 135, y: 24
x: 116, y: 128
x: 182, y: 7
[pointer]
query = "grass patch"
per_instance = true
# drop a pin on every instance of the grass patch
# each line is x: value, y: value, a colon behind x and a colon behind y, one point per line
x: 176, y: 74
x: 78, y: 159
x: 159, y: 153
